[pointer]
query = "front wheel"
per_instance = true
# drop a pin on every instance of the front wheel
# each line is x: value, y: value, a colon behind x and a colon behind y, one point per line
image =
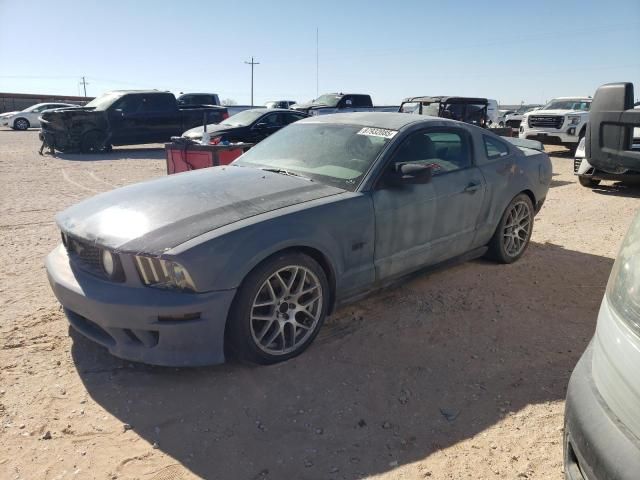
x: 512, y: 236
x: 279, y: 309
x: 21, y: 124
x: 92, y: 142
x: 588, y: 181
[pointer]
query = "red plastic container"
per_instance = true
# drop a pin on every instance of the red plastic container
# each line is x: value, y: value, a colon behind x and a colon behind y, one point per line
x: 185, y: 157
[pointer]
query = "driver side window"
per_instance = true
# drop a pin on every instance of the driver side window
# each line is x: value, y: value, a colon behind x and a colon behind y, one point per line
x: 444, y: 150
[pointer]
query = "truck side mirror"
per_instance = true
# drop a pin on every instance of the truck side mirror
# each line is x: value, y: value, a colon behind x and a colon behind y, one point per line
x: 609, y: 135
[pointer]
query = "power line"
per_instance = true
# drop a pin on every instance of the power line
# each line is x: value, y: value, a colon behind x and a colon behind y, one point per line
x: 252, y: 63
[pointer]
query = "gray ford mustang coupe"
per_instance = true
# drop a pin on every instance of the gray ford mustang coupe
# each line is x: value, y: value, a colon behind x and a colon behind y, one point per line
x: 250, y: 258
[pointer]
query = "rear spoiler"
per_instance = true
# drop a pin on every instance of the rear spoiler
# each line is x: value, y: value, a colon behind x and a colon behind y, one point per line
x: 609, y: 137
x: 521, y: 142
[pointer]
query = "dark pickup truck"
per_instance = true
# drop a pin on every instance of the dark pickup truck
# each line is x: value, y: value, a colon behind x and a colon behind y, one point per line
x: 123, y: 117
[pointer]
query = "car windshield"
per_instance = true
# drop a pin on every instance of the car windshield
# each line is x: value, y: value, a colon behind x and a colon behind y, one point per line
x: 105, y: 101
x: 337, y: 155
x: 242, y: 119
x: 330, y: 100
x: 570, y: 104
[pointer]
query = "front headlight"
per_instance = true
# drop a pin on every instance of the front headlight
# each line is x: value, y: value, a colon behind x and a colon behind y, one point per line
x: 108, y: 263
x: 574, y: 119
x: 159, y: 273
x: 580, y: 151
x: 313, y: 112
x: 623, y: 290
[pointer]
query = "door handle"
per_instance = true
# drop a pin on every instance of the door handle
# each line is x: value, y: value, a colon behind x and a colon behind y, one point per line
x: 472, y: 188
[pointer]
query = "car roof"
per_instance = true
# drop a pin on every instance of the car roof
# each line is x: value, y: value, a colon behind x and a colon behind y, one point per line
x: 197, y: 93
x: 393, y: 121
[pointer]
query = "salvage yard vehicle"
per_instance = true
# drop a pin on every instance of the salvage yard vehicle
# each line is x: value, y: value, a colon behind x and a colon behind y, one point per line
x: 514, y: 119
x: 602, y: 418
x: 280, y: 104
x: 336, y: 103
x: 29, y: 117
x: 562, y: 121
x: 248, y: 126
x: 464, y: 109
x: 198, y: 99
x: 250, y: 258
x: 123, y: 117
x: 590, y: 176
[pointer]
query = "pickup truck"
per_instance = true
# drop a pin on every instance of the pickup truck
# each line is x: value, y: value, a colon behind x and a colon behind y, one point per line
x: 199, y: 99
x: 336, y: 103
x: 562, y: 121
x: 123, y: 117
x: 464, y: 109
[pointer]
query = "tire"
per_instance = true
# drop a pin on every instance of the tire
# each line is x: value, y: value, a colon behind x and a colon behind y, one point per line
x: 262, y: 327
x: 588, y: 181
x: 92, y: 142
x: 21, y: 124
x: 500, y: 248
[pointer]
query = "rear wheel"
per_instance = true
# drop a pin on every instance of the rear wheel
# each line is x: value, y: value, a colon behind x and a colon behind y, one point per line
x: 588, y: 181
x: 21, y: 124
x: 92, y: 142
x: 278, y: 309
x: 512, y: 236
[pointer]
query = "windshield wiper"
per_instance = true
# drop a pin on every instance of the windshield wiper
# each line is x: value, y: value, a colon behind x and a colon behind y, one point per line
x: 283, y: 171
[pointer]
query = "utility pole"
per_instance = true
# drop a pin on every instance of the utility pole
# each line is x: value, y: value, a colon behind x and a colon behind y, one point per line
x: 84, y: 84
x: 317, y: 61
x: 252, y: 63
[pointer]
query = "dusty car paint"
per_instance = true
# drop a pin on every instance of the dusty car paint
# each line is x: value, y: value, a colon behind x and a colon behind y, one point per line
x: 220, y: 223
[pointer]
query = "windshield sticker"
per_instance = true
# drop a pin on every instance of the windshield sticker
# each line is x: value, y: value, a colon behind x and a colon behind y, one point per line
x: 378, y: 132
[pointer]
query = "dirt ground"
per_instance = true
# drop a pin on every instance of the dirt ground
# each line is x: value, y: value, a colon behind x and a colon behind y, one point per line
x: 457, y: 374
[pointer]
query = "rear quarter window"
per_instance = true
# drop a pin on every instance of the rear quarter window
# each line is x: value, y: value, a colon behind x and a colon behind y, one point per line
x: 494, y: 148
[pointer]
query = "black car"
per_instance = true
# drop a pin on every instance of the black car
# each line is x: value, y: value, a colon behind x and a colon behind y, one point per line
x: 123, y: 117
x: 250, y: 126
x: 464, y: 109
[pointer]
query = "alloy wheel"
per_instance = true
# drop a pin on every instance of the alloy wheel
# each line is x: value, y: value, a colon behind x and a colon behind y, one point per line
x: 286, y: 310
x: 517, y: 228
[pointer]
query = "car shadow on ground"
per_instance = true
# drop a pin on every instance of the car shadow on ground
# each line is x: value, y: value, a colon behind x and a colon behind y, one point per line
x: 558, y: 183
x: 618, y: 189
x: 145, y: 153
x: 390, y: 379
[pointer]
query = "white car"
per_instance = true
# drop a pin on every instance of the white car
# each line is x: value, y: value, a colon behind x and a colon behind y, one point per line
x: 29, y: 117
x: 602, y: 411
x: 562, y: 121
x: 514, y: 119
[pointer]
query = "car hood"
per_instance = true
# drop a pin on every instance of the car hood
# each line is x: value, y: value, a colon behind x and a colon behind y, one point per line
x: 556, y: 112
x: 8, y: 114
x: 157, y: 215
x: 214, y: 128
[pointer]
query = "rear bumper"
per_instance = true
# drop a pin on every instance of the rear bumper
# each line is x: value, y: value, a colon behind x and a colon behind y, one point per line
x: 597, y: 445
x: 141, y: 324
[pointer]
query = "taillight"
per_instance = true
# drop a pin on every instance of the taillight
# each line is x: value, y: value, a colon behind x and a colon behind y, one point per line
x: 225, y: 115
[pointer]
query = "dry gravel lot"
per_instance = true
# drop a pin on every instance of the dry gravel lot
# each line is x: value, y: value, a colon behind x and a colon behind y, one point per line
x: 457, y: 374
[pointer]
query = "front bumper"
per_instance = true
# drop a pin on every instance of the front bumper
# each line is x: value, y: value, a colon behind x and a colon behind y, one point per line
x: 140, y: 323
x: 597, y: 445
x: 551, y: 136
x: 583, y: 168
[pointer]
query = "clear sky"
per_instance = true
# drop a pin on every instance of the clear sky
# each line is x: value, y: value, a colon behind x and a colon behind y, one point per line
x: 508, y: 50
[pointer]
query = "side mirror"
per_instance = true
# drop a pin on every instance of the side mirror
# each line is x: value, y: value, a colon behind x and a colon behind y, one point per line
x: 409, y: 174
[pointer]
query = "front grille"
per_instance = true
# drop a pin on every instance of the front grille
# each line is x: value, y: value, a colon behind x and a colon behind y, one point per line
x: 86, y: 255
x: 576, y: 164
x: 546, y: 121
x: 514, y: 123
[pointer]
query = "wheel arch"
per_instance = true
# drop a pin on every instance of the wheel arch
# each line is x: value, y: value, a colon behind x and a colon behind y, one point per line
x: 20, y: 118
x: 317, y: 255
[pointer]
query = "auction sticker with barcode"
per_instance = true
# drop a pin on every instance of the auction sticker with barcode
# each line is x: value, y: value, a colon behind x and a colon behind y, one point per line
x: 378, y: 132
